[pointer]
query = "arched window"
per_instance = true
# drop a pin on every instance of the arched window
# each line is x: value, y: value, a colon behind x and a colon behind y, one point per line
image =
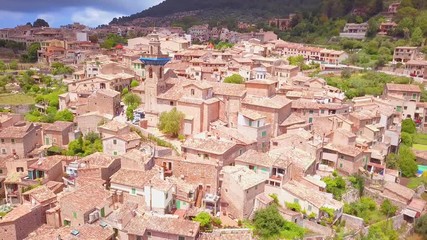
x: 150, y: 72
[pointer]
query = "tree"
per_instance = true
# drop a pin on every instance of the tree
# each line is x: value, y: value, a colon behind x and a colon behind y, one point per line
x: 132, y: 100
x: 64, y: 115
x: 235, y: 78
x: 406, y: 139
x: 112, y: 40
x: 335, y: 185
x: 134, y: 83
x: 13, y: 65
x: 268, y: 222
x: 417, y: 37
x: 93, y: 38
x: 125, y: 91
x: 408, y: 126
x: 40, y: 23
x: 205, y: 220
x: 346, y: 73
x: 421, y: 225
x: 170, y: 122
x: 31, y: 55
x: 388, y: 209
x: 297, y: 61
x: 392, y: 161
x: 407, y: 161
x: 2, y: 66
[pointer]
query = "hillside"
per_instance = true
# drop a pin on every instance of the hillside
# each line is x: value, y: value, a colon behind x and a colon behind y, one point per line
x: 169, y: 7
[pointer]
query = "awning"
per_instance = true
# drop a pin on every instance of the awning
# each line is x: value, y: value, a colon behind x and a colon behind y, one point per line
x: 409, y: 213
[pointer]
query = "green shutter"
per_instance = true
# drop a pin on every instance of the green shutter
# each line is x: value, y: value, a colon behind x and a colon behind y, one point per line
x: 102, y: 212
x: 75, y: 215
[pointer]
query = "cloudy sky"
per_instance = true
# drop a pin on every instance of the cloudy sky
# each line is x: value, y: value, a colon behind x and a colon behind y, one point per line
x: 60, y: 12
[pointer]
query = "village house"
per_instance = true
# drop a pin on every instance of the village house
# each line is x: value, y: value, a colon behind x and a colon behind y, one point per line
x: 119, y: 145
x: 138, y: 159
x: 59, y: 133
x: 407, y: 92
x: 161, y: 227
x: 354, y: 30
x: 84, y: 205
x: 277, y: 170
x: 240, y: 186
x: 20, y: 139
x: 405, y: 54
x: 416, y: 68
x: 309, y: 200
x: 344, y: 158
x: 206, y: 177
x: 89, y: 122
x: 209, y: 148
x: 113, y: 128
x: 97, y: 165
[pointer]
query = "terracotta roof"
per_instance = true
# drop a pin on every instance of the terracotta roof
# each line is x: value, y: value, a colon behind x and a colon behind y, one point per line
x: 108, y: 92
x: 58, y: 126
x: 41, y: 194
x: 292, y: 119
x: 276, y: 102
x: 133, y: 178
x: 114, y: 126
x: 174, y: 226
x: 228, y: 89
x: 210, y: 145
x: 47, y: 163
x: 403, y: 87
x: 85, y: 198
x: 253, y: 115
x: 19, y: 130
x: 97, y: 160
x: 317, y: 198
x: 245, y: 177
x: 344, y: 149
x: 400, y: 190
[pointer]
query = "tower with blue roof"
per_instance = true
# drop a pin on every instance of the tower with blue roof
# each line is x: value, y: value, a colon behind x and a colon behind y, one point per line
x: 154, y: 62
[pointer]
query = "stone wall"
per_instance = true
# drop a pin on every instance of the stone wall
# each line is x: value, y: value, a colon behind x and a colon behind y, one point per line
x: 379, y: 197
x: 317, y: 228
x: 352, y: 222
x: 397, y: 222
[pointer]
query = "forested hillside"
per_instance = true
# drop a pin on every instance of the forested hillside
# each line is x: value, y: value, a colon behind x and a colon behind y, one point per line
x: 265, y: 8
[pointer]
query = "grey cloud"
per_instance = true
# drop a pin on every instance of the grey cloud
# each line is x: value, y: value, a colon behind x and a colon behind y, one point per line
x: 33, y: 6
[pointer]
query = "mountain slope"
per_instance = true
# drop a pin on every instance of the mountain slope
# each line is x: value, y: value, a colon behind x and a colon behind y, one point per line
x: 270, y: 7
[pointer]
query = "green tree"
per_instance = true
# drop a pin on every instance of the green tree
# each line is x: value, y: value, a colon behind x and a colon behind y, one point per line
x: 387, y: 208
x: 132, y: 100
x: 408, y: 126
x: 13, y: 65
x: 235, y: 78
x: 31, y: 55
x: 64, y: 115
x: 205, y: 221
x: 392, y: 160
x: 170, y: 122
x: 417, y: 37
x: 2, y: 66
x: 125, y: 91
x: 134, y: 83
x: 335, y: 185
x: 268, y: 222
x: 421, y: 225
x: 40, y: 23
x: 112, y: 40
x: 407, y: 161
x: 406, y: 139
